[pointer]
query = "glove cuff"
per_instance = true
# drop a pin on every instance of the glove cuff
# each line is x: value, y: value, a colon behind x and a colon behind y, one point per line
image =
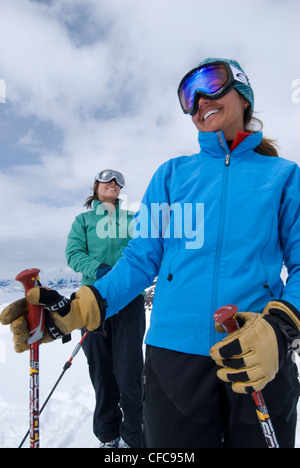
x: 286, y: 312
x: 286, y: 319
x: 94, y: 316
x: 102, y: 270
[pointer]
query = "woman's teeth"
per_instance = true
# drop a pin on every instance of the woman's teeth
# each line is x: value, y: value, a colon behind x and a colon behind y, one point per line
x: 210, y: 112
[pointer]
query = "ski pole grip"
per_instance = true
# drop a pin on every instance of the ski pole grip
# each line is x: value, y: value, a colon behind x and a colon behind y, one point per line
x: 36, y: 317
x: 226, y: 316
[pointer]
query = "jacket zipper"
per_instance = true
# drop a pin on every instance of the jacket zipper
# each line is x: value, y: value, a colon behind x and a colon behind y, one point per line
x: 221, y: 233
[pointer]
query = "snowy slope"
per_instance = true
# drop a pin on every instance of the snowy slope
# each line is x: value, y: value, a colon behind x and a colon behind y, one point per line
x: 67, y: 420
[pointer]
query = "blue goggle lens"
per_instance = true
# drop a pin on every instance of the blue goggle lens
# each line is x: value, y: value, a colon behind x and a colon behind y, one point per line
x: 209, y: 80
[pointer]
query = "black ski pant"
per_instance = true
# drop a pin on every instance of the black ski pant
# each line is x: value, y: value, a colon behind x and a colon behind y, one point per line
x: 187, y: 406
x: 115, y: 367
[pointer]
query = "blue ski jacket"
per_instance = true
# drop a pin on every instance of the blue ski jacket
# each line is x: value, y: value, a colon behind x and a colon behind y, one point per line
x: 215, y: 227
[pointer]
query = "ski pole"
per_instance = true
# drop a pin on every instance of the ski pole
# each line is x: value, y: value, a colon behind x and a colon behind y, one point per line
x: 65, y: 368
x: 226, y: 316
x: 36, y: 323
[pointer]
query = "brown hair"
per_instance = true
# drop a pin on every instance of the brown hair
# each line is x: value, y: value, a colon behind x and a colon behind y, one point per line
x: 252, y: 124
x: 89, y: 200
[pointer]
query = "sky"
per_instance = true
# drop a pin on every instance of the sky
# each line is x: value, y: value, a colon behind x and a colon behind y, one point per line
x: 92, y: 84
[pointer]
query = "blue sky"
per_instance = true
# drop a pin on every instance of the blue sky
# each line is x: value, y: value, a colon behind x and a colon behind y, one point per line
x: 92, y: 84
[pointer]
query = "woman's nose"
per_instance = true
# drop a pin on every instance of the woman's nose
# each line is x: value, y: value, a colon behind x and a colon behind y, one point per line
x: 202, y: 101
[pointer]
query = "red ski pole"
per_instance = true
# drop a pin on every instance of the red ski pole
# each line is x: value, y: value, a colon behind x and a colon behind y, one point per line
x: 36, y: 323
x: 65, y: 368
x: 226, y: 316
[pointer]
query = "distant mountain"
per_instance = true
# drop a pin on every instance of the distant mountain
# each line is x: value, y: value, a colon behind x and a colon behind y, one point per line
x: 57, y: 278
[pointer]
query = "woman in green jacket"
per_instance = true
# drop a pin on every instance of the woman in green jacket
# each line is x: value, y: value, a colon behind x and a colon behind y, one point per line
x: 115, y: 358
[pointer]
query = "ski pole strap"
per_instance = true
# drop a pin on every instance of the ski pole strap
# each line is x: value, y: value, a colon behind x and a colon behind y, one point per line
x: 54, y: 332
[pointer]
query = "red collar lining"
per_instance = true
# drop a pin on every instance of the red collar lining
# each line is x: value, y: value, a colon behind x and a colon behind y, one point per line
x: 240, y: 136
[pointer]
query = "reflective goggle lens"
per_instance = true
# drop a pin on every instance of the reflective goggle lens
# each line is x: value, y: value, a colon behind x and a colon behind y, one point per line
x: 209, y: 80
x: 108, y: 175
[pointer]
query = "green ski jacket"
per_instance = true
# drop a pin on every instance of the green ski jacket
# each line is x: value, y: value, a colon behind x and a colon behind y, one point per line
x: 98, y: 236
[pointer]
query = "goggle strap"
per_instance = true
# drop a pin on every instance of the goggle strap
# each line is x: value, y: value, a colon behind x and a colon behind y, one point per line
x: 239, y: 76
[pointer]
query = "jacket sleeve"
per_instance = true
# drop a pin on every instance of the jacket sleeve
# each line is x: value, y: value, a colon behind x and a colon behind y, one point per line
x: 140, y: 261
x: 76, y: 251
x: 289, y: 226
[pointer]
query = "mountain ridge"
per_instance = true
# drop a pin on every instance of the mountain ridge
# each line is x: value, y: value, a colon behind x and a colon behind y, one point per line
x: 56, y: 278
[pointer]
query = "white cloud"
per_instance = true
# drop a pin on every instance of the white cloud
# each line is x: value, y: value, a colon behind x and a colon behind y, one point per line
x: 104, y: 74
x: 2, y: 92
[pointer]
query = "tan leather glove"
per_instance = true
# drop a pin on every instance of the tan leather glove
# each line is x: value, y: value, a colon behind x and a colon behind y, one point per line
x: 85, y: 308
x: 16, y: 315
x: 251, y: 356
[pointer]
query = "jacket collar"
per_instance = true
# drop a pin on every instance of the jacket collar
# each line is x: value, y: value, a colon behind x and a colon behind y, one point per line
x: 100, y: 207
x: 214, y: 143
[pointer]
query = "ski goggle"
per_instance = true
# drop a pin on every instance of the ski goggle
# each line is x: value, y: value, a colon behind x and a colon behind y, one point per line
x: 212, y: 80
x: 108, y: 175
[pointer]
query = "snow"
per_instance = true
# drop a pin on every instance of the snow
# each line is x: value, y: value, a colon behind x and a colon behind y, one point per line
x: 67, y: 421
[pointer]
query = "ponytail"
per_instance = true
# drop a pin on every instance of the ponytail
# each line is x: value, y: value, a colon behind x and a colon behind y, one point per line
x: 267, y: 147
x: 89, y: 200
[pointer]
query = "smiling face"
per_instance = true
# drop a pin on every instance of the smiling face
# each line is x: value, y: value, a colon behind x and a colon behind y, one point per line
x: 108, y: 192
x: 226, y: 113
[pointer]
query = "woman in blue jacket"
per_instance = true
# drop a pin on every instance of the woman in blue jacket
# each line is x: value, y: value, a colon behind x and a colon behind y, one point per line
x: 215, y: 227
